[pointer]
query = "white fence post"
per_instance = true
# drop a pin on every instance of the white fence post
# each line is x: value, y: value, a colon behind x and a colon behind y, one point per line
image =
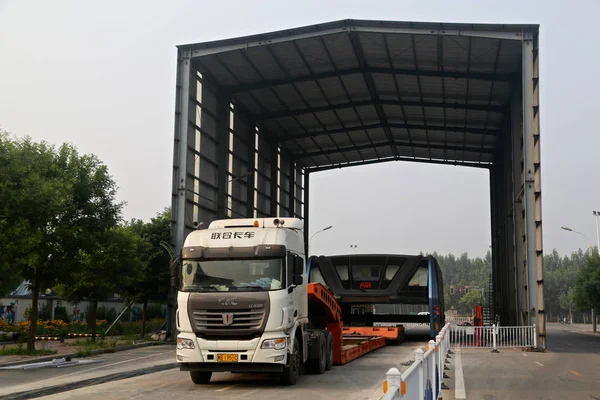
x: 419, y: 358
x: 534, y: 337
x: 432, y: 380
x: 494, y: 336
x: 394, y: 383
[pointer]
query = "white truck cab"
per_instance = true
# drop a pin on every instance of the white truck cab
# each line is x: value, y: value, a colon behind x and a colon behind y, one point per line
x: 242, y: 299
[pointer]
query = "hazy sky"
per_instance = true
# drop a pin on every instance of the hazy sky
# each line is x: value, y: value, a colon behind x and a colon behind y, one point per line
x: 101, y: 75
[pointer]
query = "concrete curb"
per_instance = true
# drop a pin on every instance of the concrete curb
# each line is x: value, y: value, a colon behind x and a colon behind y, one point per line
x: 93, y: 353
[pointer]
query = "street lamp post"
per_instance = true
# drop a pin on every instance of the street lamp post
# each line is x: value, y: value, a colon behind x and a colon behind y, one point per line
x: 597, y: 214
x: 313, y: 235
x: 565, y: 228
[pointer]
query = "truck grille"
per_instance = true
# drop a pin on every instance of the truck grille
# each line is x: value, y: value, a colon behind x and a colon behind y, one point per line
x: 228, y: 319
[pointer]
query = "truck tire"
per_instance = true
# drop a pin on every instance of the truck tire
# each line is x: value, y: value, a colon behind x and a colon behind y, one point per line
x: 329, y: 349
x: 317, y: 365
x: 289, y: 376
x: 200, y: 377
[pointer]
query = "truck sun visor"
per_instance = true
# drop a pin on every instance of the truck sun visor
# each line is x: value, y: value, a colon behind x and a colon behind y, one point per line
x: 262, y: 250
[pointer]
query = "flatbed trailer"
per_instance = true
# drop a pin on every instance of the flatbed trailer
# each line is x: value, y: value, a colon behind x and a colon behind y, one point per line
x: 349, y: 343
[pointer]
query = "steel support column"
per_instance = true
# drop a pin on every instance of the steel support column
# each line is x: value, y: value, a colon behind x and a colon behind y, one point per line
x: 306, y: 214
x: 517, y: 204
x: 182, y: 124
x: 222, y: 131
x: 532, y: 190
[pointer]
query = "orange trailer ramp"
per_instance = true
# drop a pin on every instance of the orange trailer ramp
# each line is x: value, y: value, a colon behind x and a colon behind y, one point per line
x: 349, y: 343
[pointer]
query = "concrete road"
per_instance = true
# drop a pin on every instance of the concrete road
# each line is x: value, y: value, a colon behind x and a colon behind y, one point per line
x: 121, y: 363
x: 570, y: 369
x: 360, y: 379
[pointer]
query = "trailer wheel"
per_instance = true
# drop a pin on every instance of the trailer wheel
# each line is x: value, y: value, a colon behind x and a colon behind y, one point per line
x: 318, y: 364
x: 200, y: 377
x: 329, y: 350
x: 289, y: 376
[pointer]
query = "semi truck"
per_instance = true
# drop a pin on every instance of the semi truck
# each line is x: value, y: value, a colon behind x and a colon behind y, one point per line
x: 245, y: 305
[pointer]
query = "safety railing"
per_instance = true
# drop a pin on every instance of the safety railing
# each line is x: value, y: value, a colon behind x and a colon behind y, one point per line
x: 458, y: 320
x: 424, y: 378
x: 492, y: 337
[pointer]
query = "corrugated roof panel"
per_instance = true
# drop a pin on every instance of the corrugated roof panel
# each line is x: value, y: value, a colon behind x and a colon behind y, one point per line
x: 269, y: 69
x: 356, y: 87
x: 413, y: 114
x: 374, y: 49
x: 269, y: 100
x: 401, y: 52
x: 248, y: 102
x: 348, y: 116
x: 393, y: 112
x: 279, y: 59
x: 311, y: 93
x: 354, y: 155
x: 289, y: 96
x: 455, y: 53
x: 329, y: 119
x: 483, y: 54
x: 309, y: 122
x: 368, y: 114
x: 377, y: 134
x: 510, y: 54
x: 408, y: 86
x: 239, y: 66
x: 426, y: 51
x: 434, y: 115
x: 384, y: 83
x: 334, y: 90
x: 341, y: 51
x: 370, y: 154
x: 215, y: 69
x: 289, y: 59
x: 314, y: 53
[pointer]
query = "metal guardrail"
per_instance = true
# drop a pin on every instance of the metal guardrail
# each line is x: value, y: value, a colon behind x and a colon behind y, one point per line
x: 458, y: 320
x: 423, y: 380
x: 492, y: 337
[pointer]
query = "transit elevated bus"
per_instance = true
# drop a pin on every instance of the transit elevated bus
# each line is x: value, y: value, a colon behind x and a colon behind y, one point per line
x: 362, y: 283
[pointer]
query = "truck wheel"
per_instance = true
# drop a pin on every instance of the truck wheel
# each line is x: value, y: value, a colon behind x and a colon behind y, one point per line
x: 329, y: 350
x: 289, y: 376
x: 317, y: 365
x: 200, y: 377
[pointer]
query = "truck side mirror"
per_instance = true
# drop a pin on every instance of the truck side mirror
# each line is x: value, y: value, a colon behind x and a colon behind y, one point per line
x: 297, y: 280
x: 298, y: 266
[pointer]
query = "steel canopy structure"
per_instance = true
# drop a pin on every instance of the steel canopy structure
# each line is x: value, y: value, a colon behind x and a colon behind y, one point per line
x: 256, y: 115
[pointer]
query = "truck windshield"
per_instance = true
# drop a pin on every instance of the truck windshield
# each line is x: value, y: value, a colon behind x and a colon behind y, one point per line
x: 232, y: 275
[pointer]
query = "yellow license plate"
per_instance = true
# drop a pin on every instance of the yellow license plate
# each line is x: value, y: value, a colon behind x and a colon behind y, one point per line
x: 227, y: 358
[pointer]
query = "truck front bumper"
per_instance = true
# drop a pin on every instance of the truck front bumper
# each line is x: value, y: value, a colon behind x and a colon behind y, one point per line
x: 245, y: 367
x: 249, y: 353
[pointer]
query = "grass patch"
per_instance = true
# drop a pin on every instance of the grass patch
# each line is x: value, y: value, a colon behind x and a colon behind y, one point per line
x: 22, y: 351
x: 85, y: 347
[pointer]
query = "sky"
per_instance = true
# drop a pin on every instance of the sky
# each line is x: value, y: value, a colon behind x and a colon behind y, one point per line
x: 101, y: 75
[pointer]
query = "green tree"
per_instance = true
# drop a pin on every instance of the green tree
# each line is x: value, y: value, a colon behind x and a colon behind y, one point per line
x: 567, y: 302
x: 153, y: 283
x: 53, y: 204
x: 587, y: 289
x: 468, y: 302
x: 108, y: 269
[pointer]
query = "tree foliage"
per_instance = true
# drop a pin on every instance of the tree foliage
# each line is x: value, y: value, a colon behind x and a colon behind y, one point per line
x: 113, y: 265
x: 587, y: 290
x: 54, y: 202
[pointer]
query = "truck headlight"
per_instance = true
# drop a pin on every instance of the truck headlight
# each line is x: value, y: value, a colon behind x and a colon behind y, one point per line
x: 274, y: 344
x: 184, y: 343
